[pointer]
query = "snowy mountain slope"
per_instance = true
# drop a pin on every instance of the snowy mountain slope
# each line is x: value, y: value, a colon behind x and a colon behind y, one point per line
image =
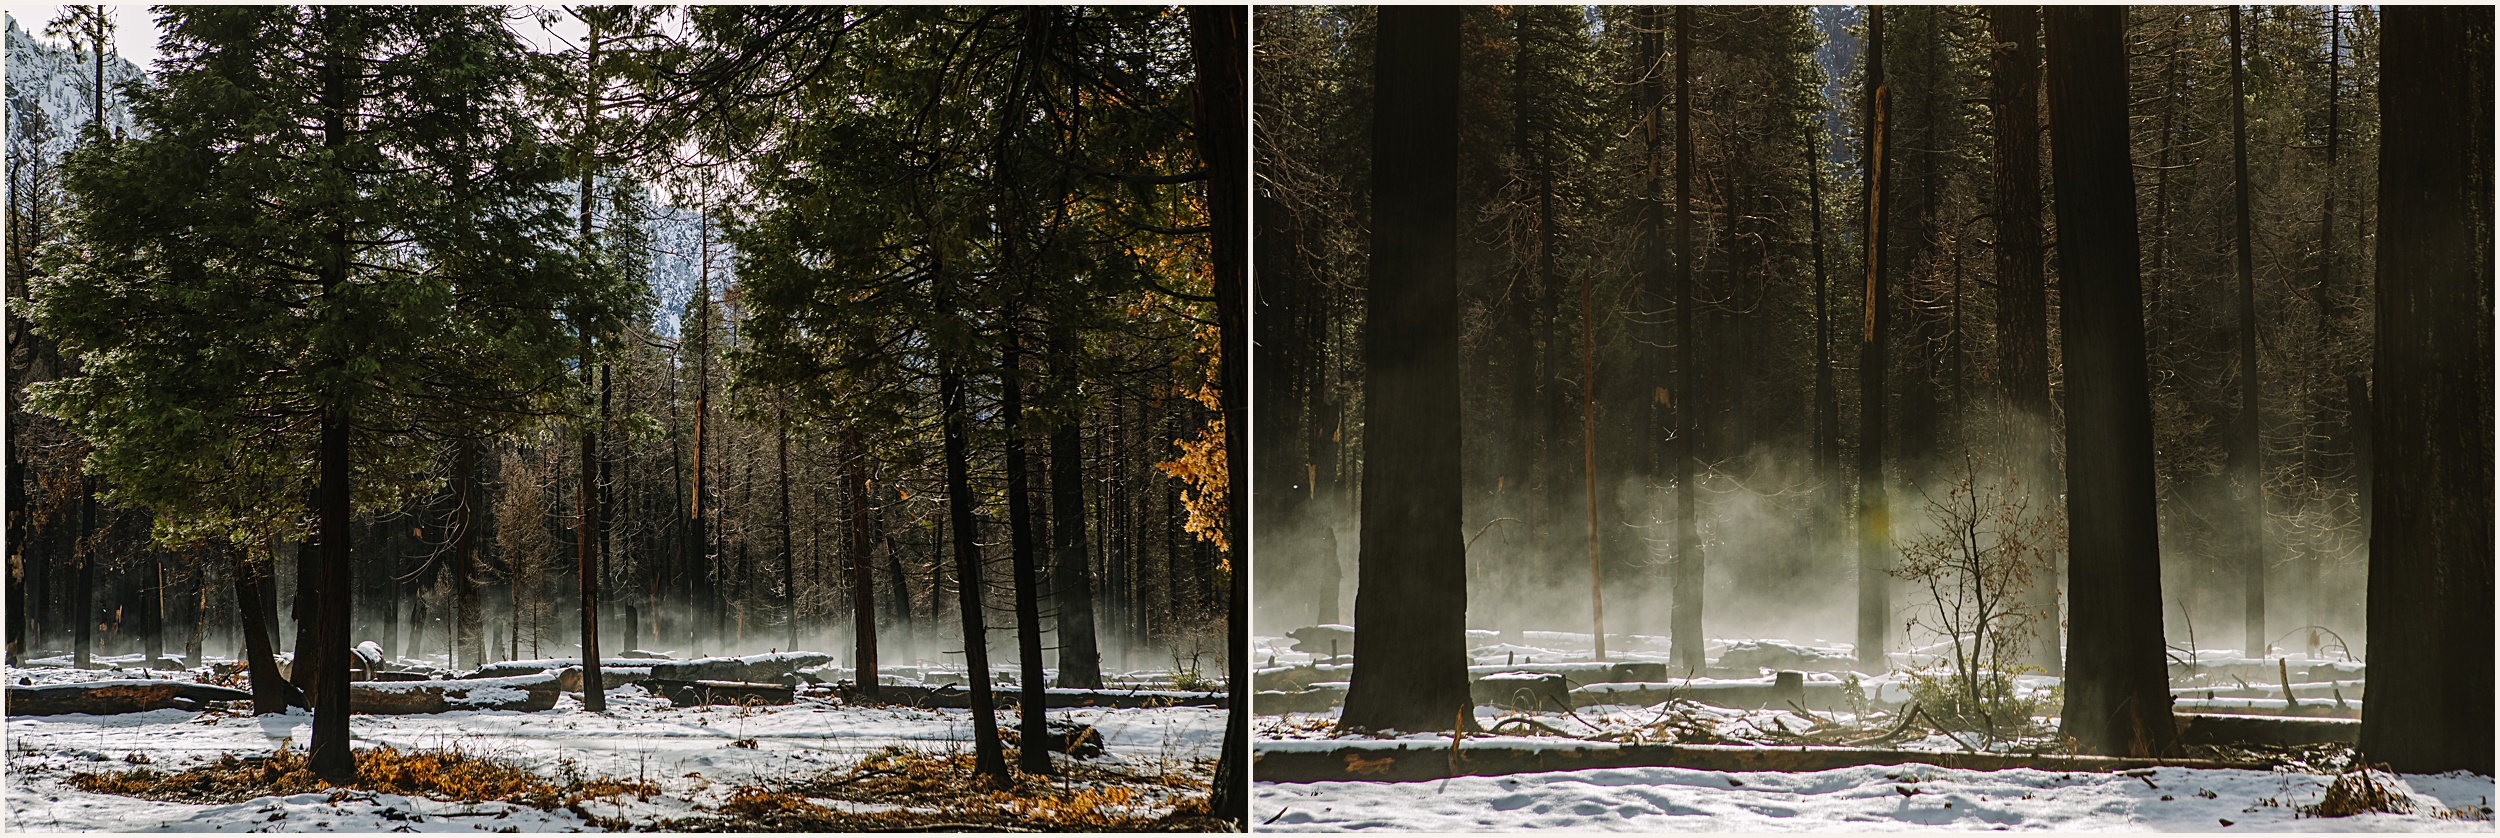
x: 49, y: 89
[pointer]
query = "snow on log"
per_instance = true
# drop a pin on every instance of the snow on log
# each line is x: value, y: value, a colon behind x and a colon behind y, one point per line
x: 524, y: 693
x: 613, y: 670
x: 952, y: 697
x: 778, y: 668
x: 1396, y: 762
x: 104, y: 698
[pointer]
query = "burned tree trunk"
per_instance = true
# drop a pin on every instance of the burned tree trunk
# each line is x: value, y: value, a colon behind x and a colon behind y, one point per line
x: 2022, y: 288
x: 2117, y: 687
x: 1410, y: 641
x: 2430, y: 594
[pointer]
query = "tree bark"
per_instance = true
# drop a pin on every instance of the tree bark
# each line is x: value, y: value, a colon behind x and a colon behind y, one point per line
x: 2246, y: 469
x: 2117, y: 687
x: 1080, y: 658
x: 1031, y: 756
x: 1219, y: 43
x: 270, y: 692
x: 988, y: 758
x: 1874, y: 515
x: 468, y: 624
x: 1686, y: 648
x: 863, y: 575
x: 1410, y: 641
x: 2430, y: 586
x: 2022, y: 287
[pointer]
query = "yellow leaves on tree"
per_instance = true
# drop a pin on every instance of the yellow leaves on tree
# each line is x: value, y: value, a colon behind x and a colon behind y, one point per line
x: 1207, y: 478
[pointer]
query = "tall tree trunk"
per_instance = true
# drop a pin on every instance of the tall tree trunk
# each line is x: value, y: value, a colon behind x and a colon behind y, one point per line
x: 988, y: 758
x: 1410, y: 629
x: 2117, y: 684
x: 2246, y: 469
x: 1686, y: 649
x: 1874, y: 514
x: 789, y: 560
x: 698, y: 556
x: 82, y: 591
x: 2430, y: 590
x: 328, y: 755
x: 1826, y: 389
x: 863, y: 576
x: 270, y: 693
x: 1080, y: 659
x: 1032, y: 754
x: 1219, y: 43
x: 2022, y: 290
x: 468, y: 647
x: 586, y: 532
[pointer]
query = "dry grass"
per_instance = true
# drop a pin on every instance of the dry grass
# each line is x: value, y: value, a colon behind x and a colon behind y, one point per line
x: 901, y: 789
x: 2353, y: 793
x: 437, y: 774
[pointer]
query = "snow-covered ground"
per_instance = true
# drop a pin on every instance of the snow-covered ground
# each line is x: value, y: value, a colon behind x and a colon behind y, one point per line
x: 695, y: 756
x: 1867, y: 798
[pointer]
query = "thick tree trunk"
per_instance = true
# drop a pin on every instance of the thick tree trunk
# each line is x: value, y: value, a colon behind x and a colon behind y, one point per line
x: 2246, y: 469
x: 1686, y: 648
x: 1220, y: 43
x: 1080, y: 659
x: 270, y: 692
x: 1874, y: 514
x: 1410, y: 640
x: 2117, y: 687
x: 2022, y: 290
x: 328, y: 754
x: 2430, y: 593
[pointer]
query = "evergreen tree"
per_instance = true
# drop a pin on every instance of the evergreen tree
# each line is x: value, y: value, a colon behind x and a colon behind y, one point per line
x: 326, y: 244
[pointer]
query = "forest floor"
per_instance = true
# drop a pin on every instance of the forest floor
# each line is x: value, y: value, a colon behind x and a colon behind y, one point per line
x: 1845, y: 710
x: 817, y: 765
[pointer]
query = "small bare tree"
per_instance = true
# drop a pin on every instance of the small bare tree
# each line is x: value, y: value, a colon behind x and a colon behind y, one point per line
x: 1975, y: 564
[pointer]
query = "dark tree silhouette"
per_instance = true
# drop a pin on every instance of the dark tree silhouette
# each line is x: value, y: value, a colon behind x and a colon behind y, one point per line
x: 2430, y: 600
x: 2022, y: 290
x: 1874, y: 515
x: 2117, y: 684
x: 1410, y: 600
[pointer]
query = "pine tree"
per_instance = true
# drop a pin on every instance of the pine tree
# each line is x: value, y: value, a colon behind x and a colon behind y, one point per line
x: 292, y: 272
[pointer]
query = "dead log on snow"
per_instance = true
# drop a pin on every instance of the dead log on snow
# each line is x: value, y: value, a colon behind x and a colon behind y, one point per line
x: 685, y: 693
x: 105, y: 698
x: 956, y: 698
x: 1429, y: 762
x: 526, y: 694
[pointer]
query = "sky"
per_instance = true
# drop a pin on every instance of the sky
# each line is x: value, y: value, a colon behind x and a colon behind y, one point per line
x: 135, y: 36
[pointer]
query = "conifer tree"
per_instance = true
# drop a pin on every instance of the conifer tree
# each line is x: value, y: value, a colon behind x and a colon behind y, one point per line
x: 326, y: 245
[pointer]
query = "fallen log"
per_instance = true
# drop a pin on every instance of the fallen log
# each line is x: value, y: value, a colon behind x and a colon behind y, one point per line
x: 106, y: 698
x: 1434, y: 762
x: 777, y: 668
x: 2232, y: 729
x: 633, y: 667
x: 1743, y: 694
x: 1523, y: 690
x: 1318, y: 699
x: 697, y: 693
x: 525, y: 693
x: 955, y: 698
